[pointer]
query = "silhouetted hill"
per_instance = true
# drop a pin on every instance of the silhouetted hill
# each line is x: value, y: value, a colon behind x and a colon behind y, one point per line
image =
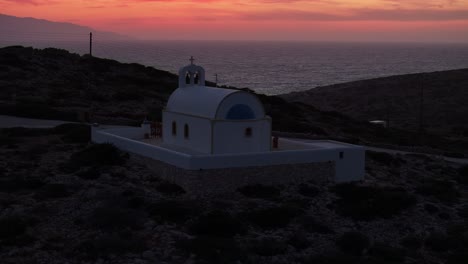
x: 56, y: 84
x: 27, y: 28
x: 398, y: 99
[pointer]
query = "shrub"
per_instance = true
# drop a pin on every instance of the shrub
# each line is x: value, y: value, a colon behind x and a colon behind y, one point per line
x: 260, y: 191
x: 212, y: 249
x: 385, y: 252
x: 273, y: 217
x: 170, y: 188
x: 367, y: 203
x: 115, y: 218
x: 311, y: 224
x: 458, y: 257
x: 11, y: 227
x: 96, y: 155
x: 444, y: 191
x: 173, y: 211
x: 299, y: 241
x: 383, y: 158
x: 268, y: 246
x: 217, y: 223
x: 333, y: 258
x: 53, y: 190
x: 431, y: 208
x: 110, y: 244
x: 17, y: 182
x: 463, y: 211
x: 438, y: 241
x: 463, y: 175
x: 13, y: 230
x: 413, y: 242
x: 308, y: 190
x: 74, y: 133
x: 91, y: 173
x: 353, y: 243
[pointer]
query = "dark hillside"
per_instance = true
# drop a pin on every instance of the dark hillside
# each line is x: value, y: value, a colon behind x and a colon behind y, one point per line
x: 397, y: 99
x: 56, y: 84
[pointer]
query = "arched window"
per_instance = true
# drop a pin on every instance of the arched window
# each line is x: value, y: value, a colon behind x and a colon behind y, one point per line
x: 196, y: 79
x: 240, y: 112
x: 174, y: 128
x: 187, y: 78
x: 248, y: 132
x: 186, y: 131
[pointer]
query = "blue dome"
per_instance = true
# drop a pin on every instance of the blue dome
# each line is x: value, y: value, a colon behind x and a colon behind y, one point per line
x: 240, y: 112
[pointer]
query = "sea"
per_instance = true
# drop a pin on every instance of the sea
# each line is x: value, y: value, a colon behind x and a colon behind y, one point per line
x: 277, y: 67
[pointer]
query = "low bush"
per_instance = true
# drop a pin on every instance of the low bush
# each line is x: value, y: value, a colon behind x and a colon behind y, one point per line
x: 106, y: 245
x: 114, y: 218
x: 96, y: 155
x: 169, y: 188
x: 463, y: 175
x: 209, y: 249
x: 386, y: 253
x: 273, y: 217
x: 90, y: 173
x: 431, y: 208
x: 383, y: 158
x: 308, y: 190
x: 463, y: 211
x: 442, y: 190
x: 268, y: 246
x: 13, y: 230
x: 313, y: 225
x: 260, y: 191
x: 74, y: 133
x: 458, y: 257
x: 299, y: 241
x: 413, y: 242
x: 438, y: 241
x: 367, y: 202
x: 17, y: 182
x: 173, y: 211
x: 354, y: 243
x: 53, y: 191
x: 217, y: 223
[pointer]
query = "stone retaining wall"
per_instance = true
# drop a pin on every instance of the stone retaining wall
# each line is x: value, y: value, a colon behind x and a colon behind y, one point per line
x: 222, y: 181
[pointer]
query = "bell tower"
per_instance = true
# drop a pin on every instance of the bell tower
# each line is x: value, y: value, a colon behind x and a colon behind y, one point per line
x: 191, y: 74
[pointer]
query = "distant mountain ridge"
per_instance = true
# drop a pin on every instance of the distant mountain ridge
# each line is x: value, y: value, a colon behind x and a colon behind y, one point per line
x: 19, y: 28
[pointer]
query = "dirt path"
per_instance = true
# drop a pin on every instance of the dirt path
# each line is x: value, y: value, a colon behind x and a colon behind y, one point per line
x: 13, y: 121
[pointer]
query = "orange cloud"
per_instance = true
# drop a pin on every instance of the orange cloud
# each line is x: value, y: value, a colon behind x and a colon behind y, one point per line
x: 258, y: 19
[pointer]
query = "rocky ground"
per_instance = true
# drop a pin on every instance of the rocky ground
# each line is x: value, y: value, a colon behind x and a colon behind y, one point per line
x: 63, y: 200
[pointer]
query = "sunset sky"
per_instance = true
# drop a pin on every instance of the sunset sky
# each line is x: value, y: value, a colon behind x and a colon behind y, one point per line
x: 344, y: 20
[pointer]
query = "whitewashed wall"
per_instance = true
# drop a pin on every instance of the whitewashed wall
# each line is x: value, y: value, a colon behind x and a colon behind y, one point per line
x: 199, y: 132
x: 349, y: 168
x: 229, y: 136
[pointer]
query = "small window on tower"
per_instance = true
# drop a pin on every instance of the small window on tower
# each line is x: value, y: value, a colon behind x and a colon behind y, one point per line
x: 186, y: 131
x: 174, y: 128
x: 248, y: 132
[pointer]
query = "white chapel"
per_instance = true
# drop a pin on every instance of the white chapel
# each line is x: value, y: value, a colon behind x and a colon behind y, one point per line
x: 211, y: 120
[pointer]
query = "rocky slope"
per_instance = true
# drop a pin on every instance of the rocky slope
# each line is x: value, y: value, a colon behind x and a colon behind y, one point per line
x: 63, y: 200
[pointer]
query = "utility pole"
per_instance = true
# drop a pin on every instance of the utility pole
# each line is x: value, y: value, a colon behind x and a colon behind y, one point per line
x: 216, y: 82
x: 91, y: 44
